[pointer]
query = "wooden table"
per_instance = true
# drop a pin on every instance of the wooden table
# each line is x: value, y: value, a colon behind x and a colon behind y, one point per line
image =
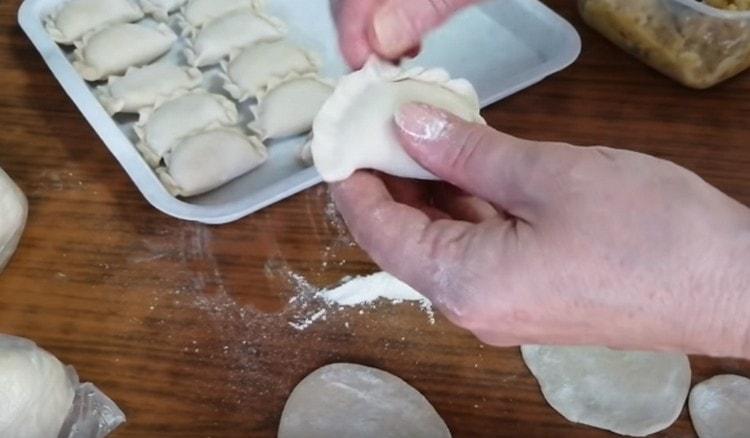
x: 186, y: 326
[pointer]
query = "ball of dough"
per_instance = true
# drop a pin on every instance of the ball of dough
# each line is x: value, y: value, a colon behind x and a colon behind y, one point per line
x: 720, y: 407
x: 347, y: 400
x: 13, y: 211
x: 36, y: 390
x: 630, y: 393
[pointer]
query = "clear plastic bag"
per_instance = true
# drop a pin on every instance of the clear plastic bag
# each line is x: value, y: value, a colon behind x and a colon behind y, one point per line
x: 694, y: 43
x: 93, y: 414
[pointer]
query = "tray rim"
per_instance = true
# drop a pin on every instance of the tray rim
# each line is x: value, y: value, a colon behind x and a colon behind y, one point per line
x: 148, y: 183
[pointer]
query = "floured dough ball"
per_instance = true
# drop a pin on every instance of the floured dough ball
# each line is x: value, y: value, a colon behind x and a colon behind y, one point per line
x: 36, y: 390
x: 347, y: 400
x: 355, y: 129
x: 13, y: 211
x: 720, y: 407
x: 630, y: 393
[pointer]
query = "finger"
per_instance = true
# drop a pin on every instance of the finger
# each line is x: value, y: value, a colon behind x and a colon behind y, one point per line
x: 353, y: 20
x: 463, y: 206
x: 417, y: 194
x: 402, y: 240
x: 398, y: 26
x: 504, y: 170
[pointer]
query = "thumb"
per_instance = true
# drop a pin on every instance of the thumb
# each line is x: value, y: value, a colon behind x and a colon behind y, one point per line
x: 509, y: 172
x: 399, y: 26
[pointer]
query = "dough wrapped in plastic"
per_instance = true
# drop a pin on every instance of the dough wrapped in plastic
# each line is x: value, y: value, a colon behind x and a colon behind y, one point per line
x: 42, y: 398
x: 206, y: 160
x: 75, y: 18
x: 13, y: 212
x: 115, y: 49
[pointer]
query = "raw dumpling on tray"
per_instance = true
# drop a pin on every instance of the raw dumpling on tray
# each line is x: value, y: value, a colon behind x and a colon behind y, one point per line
x: 178, y: 65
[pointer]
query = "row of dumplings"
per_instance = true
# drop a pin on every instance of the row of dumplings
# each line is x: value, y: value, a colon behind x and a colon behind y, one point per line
x: 189, y: 136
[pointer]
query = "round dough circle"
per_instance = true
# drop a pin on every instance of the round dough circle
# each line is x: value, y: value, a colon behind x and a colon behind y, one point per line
x: 720, y: 407
x: 36, y: 390
x: 353, y: 401
x: 630, y: 393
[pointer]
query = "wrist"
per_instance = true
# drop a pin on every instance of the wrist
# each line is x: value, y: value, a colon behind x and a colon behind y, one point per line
x: 736, y: 285
x: 720, y: 304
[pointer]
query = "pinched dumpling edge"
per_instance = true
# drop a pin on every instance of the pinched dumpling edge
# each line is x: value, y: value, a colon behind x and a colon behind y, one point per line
x: 255, y: 125
x: 350, y: 88
x: 191, y: 32
x: 158, y: 12
x: 240, y: 94
x: 165, y: 176
x: 145, y: 115
x: 90, y: 73
x: 258, y: 6
x: 114, y: 105
x: 50, y: 23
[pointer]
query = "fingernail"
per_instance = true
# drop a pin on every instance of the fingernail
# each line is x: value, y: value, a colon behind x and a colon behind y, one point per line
x: 389, y: 32
x: 420, y: 121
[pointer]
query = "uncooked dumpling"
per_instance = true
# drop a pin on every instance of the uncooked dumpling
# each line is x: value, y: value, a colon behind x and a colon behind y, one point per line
x: 355, y: 129
x: 250, y: 70
x: 206, y: 160
x: 354, y: 401
x: 160, y: 128
x: 36, y: 390
x: 115, y: 49
x: 720, y: 407
x: 160, y: 9
x: 143, y: 87
x: 199, y: 12
x: 237, y: 29
x: 13, y: 212
x: 630, y: 393
x: 78, y: 17
x: 289, y: 106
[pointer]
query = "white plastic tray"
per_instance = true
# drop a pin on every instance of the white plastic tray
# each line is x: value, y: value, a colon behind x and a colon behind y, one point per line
x: 501, y: 46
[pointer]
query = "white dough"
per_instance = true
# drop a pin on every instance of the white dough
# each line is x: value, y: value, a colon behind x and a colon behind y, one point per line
x: 304, y: 153
x: 250, y: 70
x: 630, y: 393
x: 237, y: 29
x: 36, y: 390
x: 209, y: 159
x: 142, y: 87
x: 78, y: 17
x: 160, y: 9
x: 13, y: 212
x: 199, y: 12
x: 353, y: 401
x: 355, y: 128
x: 161, y: 127
x: 720, y: 407
x: 289, y: 106
x: 115, y: 49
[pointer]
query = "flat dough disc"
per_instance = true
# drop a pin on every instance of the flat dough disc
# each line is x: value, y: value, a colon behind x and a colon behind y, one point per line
x: 354, y: 401
x: 630, y: 393
x: 720, y: 407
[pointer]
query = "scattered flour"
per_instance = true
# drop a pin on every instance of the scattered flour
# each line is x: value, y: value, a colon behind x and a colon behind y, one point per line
x: 362, y: 291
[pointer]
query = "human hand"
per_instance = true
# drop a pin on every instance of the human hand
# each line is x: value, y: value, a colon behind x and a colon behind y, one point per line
x: 562, y: 244
x: 389, y: 28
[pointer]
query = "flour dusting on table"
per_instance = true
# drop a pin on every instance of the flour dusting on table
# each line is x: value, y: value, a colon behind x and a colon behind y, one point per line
x: 381, y: 286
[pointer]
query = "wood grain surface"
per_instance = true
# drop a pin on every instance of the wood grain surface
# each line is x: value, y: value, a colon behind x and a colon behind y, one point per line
x: 187, y: 326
